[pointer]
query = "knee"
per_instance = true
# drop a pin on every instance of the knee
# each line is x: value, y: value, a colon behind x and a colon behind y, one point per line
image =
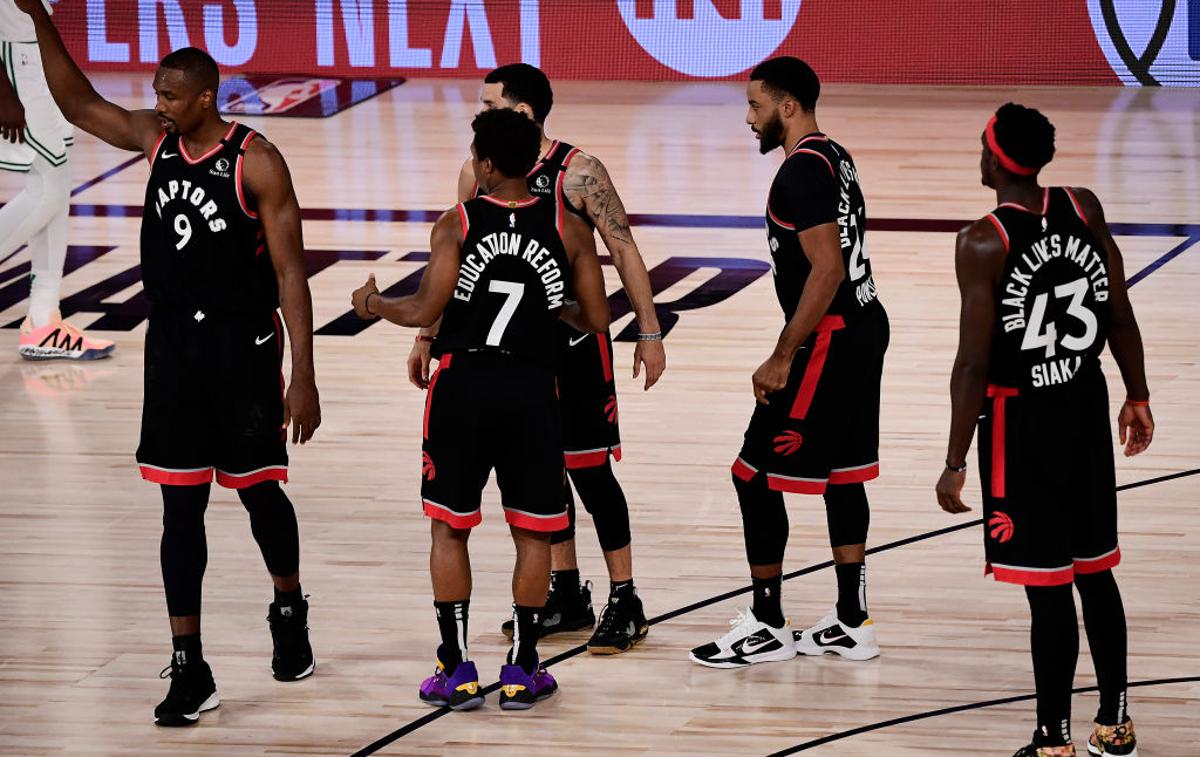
x: 262, y: 496
x: 184, y: 506
x: 764, y: 521
x: 847, y: 513
x: 1101, y: 584
x: 443, y: 533
x: 603, y: 498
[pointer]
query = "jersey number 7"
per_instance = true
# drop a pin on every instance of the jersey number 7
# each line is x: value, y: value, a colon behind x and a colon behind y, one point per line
x: 513, y: 292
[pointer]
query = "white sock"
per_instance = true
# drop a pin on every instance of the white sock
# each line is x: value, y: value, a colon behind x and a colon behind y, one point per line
x: 38, y: 216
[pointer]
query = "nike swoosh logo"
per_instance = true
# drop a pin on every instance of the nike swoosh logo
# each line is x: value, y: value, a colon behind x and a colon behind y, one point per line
x: 264, y: 339
x: 573, y: 342
x: 166, y: 155
x: 750, y: 647
x: 825, y: 638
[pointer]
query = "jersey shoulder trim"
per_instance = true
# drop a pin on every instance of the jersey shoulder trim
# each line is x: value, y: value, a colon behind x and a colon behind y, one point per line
x: 237, y: 178
x: 1075, y: 204
x: 1000, y: 228
x: 464, y: 219
x: 157, y: 147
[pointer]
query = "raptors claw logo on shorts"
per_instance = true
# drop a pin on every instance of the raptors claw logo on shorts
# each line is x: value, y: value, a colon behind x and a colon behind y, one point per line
x: 428, y: 471
x: 610, y: 408
x: 788, y: 443
x: 1001, y: 527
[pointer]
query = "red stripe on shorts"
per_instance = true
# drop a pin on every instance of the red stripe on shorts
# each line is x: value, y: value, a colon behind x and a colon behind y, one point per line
x: 816, y: 364
x: 1025, y: 577
x: 999, y: 394
x: 854, y: 475
x: 443, y: 362
x: 533, y: 523
x: 176, y: 477
x: 1098, y: 564
x: 605, y: 357
x: 244, y: 480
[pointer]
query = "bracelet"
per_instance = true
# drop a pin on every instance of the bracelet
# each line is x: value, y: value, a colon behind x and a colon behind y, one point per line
x: 367, y: 304
x: 423, y: 338
x: 655, y: 336
x: 1137, y: 403
x: 956, y: 468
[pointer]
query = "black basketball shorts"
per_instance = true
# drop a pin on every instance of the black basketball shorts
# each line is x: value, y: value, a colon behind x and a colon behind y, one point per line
x: 823, y: 427
x: 213, y: 400
x: 1049, y: 484
x: 587, y: 395
x: 488, y: 410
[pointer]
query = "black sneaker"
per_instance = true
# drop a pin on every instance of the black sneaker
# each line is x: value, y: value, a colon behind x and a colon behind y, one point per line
x: 293, y: 656
x: 563, y: 612
x: 192, y: 692
x: 1033, y: 750
x: 622, y: 624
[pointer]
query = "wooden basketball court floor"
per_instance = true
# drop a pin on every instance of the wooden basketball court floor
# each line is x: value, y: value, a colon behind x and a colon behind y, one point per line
x: 82, y: 627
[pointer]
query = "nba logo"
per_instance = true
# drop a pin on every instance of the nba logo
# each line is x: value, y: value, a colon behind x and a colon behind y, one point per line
x: 698, y: 39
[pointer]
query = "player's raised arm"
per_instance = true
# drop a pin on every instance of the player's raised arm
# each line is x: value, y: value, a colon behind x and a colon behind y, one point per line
x: 587, y: 182
x: 590, y: 311
x: 270, y: 184
x: 425, y: 306
x: 1135, y: 423
x: 79, y: 102
x: 978, y: 261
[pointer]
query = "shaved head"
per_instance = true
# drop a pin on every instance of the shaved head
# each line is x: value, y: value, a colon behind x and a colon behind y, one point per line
x: 199, y: 69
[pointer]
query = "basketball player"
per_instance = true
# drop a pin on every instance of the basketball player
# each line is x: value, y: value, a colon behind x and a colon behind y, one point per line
x: 500, y: 270
x: 815, y: 429
x: 1043, y: 289
x: 35, y: 139
x: 220, y: 250
x: 587, y: 390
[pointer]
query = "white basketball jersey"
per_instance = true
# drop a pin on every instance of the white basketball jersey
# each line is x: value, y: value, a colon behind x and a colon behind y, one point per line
x: 15, y: 24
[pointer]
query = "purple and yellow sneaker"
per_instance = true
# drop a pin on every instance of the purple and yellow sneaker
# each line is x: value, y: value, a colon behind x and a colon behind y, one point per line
x: 520, y: 691
x: 458, y: 692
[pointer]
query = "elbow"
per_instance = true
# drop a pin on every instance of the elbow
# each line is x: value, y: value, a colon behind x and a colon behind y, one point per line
x: 600, y: 322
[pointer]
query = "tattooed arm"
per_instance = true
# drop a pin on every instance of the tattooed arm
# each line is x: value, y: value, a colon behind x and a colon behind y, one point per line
x: 588, y: 186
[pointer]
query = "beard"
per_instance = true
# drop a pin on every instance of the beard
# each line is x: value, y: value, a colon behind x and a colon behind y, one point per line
x: 771, y: 135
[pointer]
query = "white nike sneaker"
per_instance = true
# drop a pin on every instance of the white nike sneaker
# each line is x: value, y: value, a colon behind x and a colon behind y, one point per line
x: 834, y: 637
x: 749, y: 641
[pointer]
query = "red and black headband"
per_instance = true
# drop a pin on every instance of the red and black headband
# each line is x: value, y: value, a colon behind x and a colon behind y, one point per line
x: 1006, y: 161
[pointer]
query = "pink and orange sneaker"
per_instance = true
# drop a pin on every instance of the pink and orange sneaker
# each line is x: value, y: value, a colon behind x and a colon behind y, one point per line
x: 60, y: 340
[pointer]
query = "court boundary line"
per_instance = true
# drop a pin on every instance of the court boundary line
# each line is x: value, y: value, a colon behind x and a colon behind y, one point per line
x: 434, y: 715
x: 960, y: 708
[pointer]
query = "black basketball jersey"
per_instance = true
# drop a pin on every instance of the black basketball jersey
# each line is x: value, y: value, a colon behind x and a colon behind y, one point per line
x: 513, y: 281
x: 202, y: 244
x: 818, y: 184
x: 546, y: 178
x: 1052, y: 307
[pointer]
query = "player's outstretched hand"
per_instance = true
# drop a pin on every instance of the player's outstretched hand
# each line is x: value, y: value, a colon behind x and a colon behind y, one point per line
x: 770, y: 377
x: 359, y: 298
x: 653, y: 356
x: 949, y: 491
x: 12, y: 119
x: 418, y: 364
x: 302, y: 410
x: 1135, y: 425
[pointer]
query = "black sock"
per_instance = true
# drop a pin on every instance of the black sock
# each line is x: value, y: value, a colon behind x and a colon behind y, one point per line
x: 621, y: 589
x: 767, y: 605
x: 565, y: 581
x: 525, y: 636
x: 852, y: 593
x: 187, y: 648
x: 287, y: 599
x: 452, y: 624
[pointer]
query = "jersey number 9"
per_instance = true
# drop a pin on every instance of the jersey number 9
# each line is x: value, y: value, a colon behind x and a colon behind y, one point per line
x: 183, y: 227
